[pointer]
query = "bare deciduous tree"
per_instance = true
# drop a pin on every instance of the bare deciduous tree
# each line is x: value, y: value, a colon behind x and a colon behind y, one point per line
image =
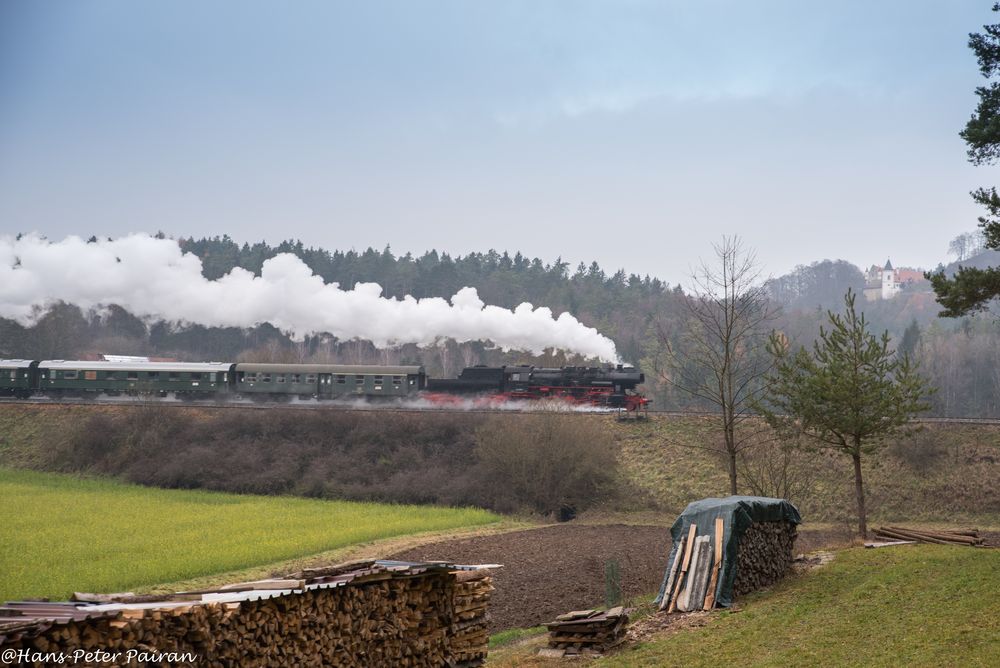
x: 720, y: 356
x: 777, y: 466
x: 967, y: 245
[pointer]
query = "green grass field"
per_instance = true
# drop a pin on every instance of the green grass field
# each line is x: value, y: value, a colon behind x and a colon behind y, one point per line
x: 61, y: 534
x: 926, y: 605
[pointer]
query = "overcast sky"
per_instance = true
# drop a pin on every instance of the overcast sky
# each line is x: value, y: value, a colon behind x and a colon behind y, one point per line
x: 634, y: 133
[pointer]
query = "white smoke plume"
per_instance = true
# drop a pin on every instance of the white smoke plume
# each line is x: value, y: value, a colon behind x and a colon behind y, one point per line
x: 153, y: 279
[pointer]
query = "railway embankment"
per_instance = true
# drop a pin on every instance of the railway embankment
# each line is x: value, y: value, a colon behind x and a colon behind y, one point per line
x: 546, y: 465
x: 512, y: 463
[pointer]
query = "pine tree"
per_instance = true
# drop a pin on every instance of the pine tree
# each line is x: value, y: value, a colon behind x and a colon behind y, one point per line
x: 972, y: 289
x: 849, y: 393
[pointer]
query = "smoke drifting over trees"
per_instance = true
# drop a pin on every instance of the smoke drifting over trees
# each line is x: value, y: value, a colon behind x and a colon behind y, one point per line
x: 154, y: 279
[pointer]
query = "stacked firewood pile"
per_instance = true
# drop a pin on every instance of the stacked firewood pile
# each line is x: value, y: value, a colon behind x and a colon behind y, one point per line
x: 968, y: 537
x: 586, y: 631
x: 469, y: 636
x: 765, y: 555
x: 373, y: 614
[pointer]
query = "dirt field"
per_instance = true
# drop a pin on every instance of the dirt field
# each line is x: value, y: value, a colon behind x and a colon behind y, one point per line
x: 552, y: 570
x: 556, y: 569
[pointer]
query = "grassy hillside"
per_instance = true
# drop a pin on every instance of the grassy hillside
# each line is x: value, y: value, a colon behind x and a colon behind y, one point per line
x: 61, y: 533
x: 918, y: 606
x: 924, y: 605
x: 946, y: 472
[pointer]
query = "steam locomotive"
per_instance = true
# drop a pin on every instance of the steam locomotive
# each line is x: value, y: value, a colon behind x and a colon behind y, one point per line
x: 613, y: 387
x: 610, y: 387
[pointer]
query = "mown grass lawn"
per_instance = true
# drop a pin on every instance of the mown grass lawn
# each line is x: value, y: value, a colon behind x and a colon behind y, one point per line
x: 924, y: 605
x: 60, y: 534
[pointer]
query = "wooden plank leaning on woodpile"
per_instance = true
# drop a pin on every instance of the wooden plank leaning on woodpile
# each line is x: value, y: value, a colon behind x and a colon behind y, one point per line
x: 688, y: 548
x: 587, y: 631
x: 717, y: 551
x: 370, y: 613
x: 939, y: 536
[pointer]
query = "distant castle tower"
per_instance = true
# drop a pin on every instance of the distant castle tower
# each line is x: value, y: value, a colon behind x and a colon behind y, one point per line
x: 890, y: 286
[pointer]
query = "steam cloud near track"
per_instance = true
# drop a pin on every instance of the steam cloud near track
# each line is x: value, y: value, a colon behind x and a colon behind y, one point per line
x: 153, y: 279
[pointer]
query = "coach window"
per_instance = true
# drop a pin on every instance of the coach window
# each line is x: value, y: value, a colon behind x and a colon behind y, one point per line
x: 69, y: 375
x: 265, y: 378
x: 133, y: 375
x: 251, y: 377
x: 196, y: 375
x: 295, y: 378
x: 310, y: 378
x: 341, y: 379
x: 359, y: 380
x: 90, y: 375
x: 173, y: 375
x: 279, y: 378
x: 153, y: 375
x: 397, y: 380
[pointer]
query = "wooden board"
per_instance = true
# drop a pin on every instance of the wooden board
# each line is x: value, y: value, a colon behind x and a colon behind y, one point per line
x: 714, y: 582
x: 674, y: 567
x: 692, y: 533
x: 576, y: 614
x: 693, y: 596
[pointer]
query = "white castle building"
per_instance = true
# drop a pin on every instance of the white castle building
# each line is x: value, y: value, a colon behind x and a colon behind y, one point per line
x: 887, y: 282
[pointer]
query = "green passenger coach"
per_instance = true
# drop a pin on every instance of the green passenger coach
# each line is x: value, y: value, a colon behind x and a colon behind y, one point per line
x: 17, y: 378
x: 327, y: 381
x: 183, y: 379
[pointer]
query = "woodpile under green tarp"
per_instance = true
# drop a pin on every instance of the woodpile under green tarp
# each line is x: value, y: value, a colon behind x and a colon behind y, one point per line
x: 728, y: 547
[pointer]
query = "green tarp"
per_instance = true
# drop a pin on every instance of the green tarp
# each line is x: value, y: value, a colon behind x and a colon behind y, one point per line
x: 737, y: 513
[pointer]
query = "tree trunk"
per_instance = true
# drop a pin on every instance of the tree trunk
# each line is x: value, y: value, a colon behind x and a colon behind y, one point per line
x: 859, y: 491
x: 730, y: 438
x: 732, y: 472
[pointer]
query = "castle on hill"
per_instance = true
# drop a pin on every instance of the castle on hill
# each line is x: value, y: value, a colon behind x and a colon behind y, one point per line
x: 887, y: 282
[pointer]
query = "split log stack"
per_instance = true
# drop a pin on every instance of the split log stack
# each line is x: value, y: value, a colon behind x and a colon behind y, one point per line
x: 765, y: 555
x: 363, y: 614
x: 968, y: 537
x: 469, y: 635
x: 587, y: 631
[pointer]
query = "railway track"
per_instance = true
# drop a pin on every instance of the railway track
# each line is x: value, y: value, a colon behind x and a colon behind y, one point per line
x: 301, y: 405
x: 390, y: 408
x: 922, y: 420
